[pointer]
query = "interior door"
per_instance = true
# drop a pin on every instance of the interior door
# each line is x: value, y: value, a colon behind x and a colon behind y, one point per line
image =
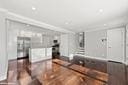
x: 64, y: 45
x: 115, y: 44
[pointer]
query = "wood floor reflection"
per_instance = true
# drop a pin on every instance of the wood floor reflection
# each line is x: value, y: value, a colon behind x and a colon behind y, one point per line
x: 52, y: 72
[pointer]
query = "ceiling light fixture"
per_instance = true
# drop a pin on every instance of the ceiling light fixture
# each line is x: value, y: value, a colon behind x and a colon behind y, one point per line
x: 66, y: 23
x: 100, y: 10
x: 33, y: 8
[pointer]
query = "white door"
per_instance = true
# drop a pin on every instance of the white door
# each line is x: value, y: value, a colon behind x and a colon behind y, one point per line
x: 115, y: 44
x: 64, y: 43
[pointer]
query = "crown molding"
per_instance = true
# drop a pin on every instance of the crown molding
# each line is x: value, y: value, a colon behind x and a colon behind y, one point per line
x: 122, y: 22
x: 16, y: 17
x: 3, y: 10
x: 106, y: 28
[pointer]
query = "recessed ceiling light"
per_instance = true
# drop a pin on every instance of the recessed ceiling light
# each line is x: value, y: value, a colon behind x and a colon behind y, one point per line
x: 33, y: 8
x: 100, y: 10
x: 105, y: 24
x: 67, y: 23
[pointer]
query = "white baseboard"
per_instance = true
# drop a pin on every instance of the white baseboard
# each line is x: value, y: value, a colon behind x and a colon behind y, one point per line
x: 3, y: 77
x: 126, y: 63
x: 39, y: 59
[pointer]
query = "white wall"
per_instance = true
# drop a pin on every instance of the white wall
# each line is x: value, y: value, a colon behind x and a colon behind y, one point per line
x: 64, y: 45
x: 4, y: 14
x: 16, y: 29
x: 93, y: 44
x: 127, y: 44
x: 39, y: 54
x: 68, y: 44
x: 12, y: 40
x: 3, y: 48
x: 72, y: 43
x: 38, y: 40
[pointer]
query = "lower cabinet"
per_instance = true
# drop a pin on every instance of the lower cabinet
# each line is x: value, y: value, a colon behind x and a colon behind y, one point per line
x: 39, y: 54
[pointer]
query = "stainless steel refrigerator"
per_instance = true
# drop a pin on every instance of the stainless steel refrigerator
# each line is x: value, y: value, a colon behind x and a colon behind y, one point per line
x: 23, y: 45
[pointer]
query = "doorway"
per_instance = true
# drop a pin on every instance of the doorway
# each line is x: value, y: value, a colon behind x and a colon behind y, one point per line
x: 116, y: 44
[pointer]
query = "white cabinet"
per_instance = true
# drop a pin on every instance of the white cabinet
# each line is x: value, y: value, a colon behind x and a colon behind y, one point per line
x: 39, y: 54
x: 64, y: 45
x: 3, y: 48
x: 48, y: 52
x: 68, y: 44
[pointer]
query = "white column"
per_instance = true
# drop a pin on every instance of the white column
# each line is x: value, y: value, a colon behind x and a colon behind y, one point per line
x: 3, y: 47
x: 72, y: 44
x: 64, y: 45
x: 68, y: 44
x: 127, y: 43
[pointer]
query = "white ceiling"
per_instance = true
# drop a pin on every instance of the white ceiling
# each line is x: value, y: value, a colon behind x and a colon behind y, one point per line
x: 75, y: 15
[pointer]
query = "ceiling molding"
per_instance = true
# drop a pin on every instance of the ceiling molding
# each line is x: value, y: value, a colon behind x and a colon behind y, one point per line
x: 20, y: 18
x: 105, y: 28
x: 110, y: 25
x: 3, y: 10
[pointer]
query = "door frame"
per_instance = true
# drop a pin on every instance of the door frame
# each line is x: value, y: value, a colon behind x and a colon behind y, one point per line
x: 124, y: 44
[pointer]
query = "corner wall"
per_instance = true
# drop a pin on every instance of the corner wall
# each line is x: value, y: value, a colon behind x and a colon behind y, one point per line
x: 3, y: 48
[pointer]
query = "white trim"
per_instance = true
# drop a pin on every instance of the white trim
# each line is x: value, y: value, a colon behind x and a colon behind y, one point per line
x: 115, y: 23
x: 105, y: 28
x: 127, y: 44
x: 98, y: 58
x: 38, y: 60
x: 23, y: 19
x: 3, y: 10
x: 3, y: 77
x: 126, y: 63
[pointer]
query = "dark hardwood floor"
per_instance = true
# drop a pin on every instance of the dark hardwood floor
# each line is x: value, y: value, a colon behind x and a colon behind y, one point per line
x: 58, y: 72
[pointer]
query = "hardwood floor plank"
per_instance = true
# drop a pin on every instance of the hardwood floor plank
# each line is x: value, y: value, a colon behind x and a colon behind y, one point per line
x: 58, y: 72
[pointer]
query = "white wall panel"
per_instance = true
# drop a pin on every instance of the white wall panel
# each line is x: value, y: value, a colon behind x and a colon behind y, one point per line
x: 68, y: 44
x: 94, y: 46
x: 115, y: 44
x: 127, y: 44
x: 64, y: 45
x: 3, y: 47
x: 72, y: 43
x: 39, y: 54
